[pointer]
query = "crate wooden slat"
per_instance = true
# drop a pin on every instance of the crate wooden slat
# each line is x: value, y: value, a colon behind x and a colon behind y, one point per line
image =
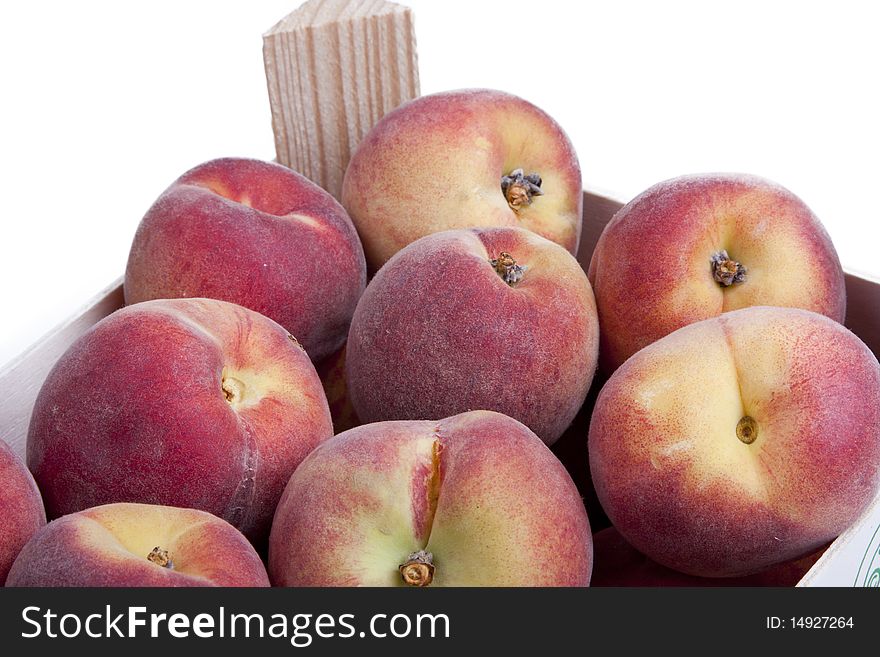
x: 333, y: 69
x: 22, y: 377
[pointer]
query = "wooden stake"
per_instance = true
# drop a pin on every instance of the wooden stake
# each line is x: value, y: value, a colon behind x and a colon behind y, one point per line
x: 334, y: 68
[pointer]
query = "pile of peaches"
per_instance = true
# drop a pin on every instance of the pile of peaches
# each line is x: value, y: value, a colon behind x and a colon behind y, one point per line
x: 438, y: 318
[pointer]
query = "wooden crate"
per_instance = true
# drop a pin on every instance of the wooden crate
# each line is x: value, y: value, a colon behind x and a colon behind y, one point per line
x: 333, y: 68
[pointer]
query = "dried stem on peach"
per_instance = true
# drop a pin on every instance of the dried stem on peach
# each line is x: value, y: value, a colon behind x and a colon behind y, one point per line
x: 160, y: 557
x: 519, y: 188
x: 507, y: 269
x: 725, y: 270
x: 418, y: 569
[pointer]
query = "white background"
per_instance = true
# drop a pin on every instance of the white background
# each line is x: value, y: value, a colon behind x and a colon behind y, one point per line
x: 103, y: 104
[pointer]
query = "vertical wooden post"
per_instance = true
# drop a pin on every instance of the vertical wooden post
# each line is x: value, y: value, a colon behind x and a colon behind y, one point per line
x: 334, y: 68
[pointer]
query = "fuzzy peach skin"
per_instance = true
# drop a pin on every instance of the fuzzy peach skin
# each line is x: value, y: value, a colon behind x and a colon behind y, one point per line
x: 110, y: 545
x: 617, y: 563
x: 256, y: 234
x: 185, y: 402
x: 21, y: 505
x: 478, y: 491
x: 652, y: 268
x: 438, y: 332
x: 693, y: 483
x: 436, y: 163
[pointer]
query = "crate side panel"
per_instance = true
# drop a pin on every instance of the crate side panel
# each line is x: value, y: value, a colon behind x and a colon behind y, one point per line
x: 22, y: 378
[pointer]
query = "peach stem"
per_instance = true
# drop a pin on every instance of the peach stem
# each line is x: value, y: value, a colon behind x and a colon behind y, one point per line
x: 747, y: 430
x: 726, y: 271
x: 519, y: 188
x: 507, y: 269
x: 418, y: 569
x: 160, y: 557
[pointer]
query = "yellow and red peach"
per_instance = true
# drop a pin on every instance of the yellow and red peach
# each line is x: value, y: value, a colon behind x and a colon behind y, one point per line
x: 740, y: 441
x: 458, y: 159
x: 472, y: 500
x: 184, y: 402
x: 138, y: 545
x: 256, y: 234
x: 696, y: 246
x: 486, y: 318
x: 22, y: 506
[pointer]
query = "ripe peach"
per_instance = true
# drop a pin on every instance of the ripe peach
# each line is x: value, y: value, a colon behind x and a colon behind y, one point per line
x: 256, y: 234
x: 617, y: 563
x: 694, y: 247
x: 474, y: 157
x: 485, y: 318
x: 471, y: 500
x: 185, y: 402
x: 740, y: 441
x: 22, y: 506
x: 138, y: 545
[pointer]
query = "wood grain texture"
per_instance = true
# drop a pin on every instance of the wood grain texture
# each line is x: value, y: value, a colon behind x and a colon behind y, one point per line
x: 333, y: 69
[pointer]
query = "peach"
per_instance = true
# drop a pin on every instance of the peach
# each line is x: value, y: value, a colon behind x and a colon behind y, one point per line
x: 138, y: 545
x: 22, y: 505
x: 472, y: 500
x: 740, y: 441
x: 498, y: 319
x: 256, y: 234
x: 617, y: 563
x: 458, y: 159
x: 694, y: 247
x: 184, y: 402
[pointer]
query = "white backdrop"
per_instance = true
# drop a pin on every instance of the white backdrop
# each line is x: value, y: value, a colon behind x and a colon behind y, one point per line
x: 103, y: 104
